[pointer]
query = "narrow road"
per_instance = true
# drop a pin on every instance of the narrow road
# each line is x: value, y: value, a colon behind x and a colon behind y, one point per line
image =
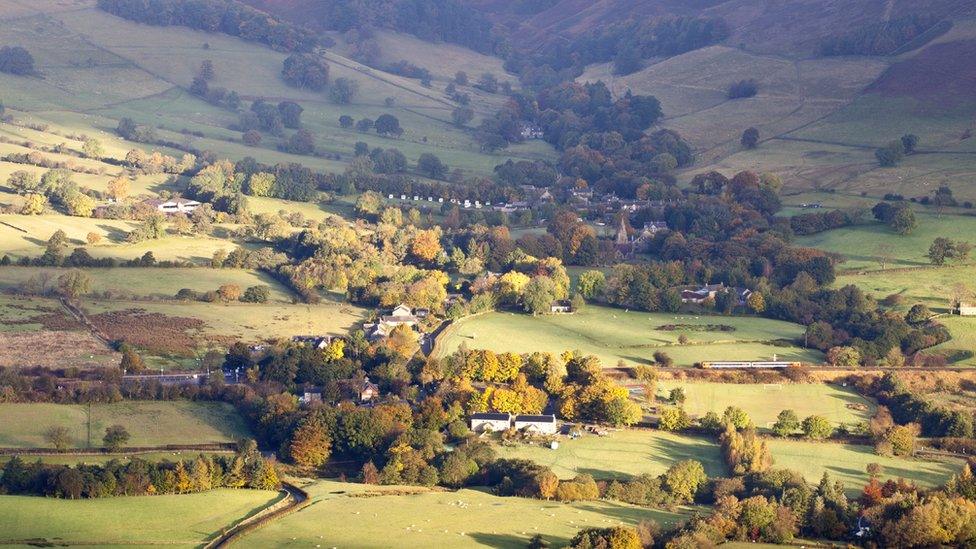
x: 296, y: 499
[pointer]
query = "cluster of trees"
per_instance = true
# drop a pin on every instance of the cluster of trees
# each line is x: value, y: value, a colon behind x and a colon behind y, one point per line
x: 220, y: 97
x: 54, y: 187
x: 305, y: 70
x: 16, y: 60
x: 629, y: 42
x: 884, y: 37
x: 228, y: 292
x: 226, y: 16
x: 945, y: 249
x: 137, y: 477
x: 432, y: 20
x: 906, y: 407
x: 899, y: 216
x: 813, y: 223
x: 894, y: 151
x: 742, y: 89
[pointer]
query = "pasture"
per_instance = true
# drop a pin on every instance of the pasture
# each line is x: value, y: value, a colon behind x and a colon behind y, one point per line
x: 155, y: 282
x: 616, y: 335
x: 150, y: 423
x: 172, y: 327
x: 763, y: 402
x: 357, y: 515
x: 187, y: 520
x: 859, y: 244
x: 620, y: 454
x: 22, y: 235
x: 848, y: 462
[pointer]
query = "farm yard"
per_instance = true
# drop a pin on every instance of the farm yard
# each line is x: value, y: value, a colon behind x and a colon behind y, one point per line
x: 840, y: 405
x: 150, y: 423
x: 187, y: 520
x: 356, y: 515
x: 616, y: 335
x: 619, y: 454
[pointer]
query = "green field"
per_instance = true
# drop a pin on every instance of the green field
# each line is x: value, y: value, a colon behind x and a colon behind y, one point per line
x: 186, y: 520
x: 764, y: 401
x: 858, y: 244
x: 154, y: 282
x: 108, y: 68
x: 22, y: 235
x: 465, y: 518
x: 620, y: 454
x: 150, y: 423
x: 615, y: 335
x: 847, y: 463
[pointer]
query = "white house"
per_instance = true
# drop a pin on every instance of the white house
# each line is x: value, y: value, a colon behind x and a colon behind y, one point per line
x: 536, y: 424
x: 174, y: 205
x: 490, y: 422
x: 967, y: 309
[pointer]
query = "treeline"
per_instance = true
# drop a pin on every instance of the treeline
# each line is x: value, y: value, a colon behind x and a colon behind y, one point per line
x: 138, y: 477
x: 226, y: 16
x: 628, y: 43
x: 882, y: 37
x: 431, y: 20
x: 818, y: 222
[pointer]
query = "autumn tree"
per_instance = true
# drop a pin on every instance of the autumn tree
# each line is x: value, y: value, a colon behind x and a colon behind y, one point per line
x: 311, y: 444
x: 118, y: 188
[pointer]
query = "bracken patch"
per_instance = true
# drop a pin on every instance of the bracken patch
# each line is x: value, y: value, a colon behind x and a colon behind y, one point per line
x: 153, y: 332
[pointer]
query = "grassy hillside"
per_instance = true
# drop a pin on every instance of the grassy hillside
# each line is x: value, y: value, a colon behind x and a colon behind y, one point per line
x: 106, y: 68
x: 764, y: 401
x: 177, y: 520
x: 356, y: 515
x: 616, y: 335
x: 620, y: 454
x: 154, y: 282
x: 149, y: 423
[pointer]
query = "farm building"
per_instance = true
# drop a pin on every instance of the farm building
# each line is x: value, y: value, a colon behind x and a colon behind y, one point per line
x: 490, y: 422
x: 368, y: 391
x: 699, y: 295
x: 173, y: 206
x: 537, y: 424
x: 401, y: 315
x: 967, y: 309
x: 561, y: 306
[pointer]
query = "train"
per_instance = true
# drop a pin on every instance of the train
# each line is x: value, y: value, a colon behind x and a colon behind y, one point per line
x: 746, y: 365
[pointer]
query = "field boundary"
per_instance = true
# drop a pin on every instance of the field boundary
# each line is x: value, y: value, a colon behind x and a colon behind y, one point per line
x: 210, y: 447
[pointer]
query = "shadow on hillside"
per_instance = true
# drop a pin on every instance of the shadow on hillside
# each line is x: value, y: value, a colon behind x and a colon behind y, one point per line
x: 508, y: 540
x: 114, y: 234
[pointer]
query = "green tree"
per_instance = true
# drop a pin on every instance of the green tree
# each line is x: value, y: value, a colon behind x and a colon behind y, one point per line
x: 673, y: 418
x: 750, y: 138
x: 919, y: 314
x: 591, y: 284
x: 431, y: 166
x: 817, y: 427
x: 539, y: 293
x: 23, y: 182
x: 58, y: 436
x: 74, y: 283
x: 677, y: 396
x: 343, y: 90
x: 787, y: 423
x: 683, y: 479
x: 891, y: 154
x: 736, y: 417
x: 903, y: 221
x: 116, y: 436
x: 92, y: 148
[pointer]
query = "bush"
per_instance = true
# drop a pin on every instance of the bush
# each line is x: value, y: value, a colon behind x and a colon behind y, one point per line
x: 256, y: 294
x: 742, y: 88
